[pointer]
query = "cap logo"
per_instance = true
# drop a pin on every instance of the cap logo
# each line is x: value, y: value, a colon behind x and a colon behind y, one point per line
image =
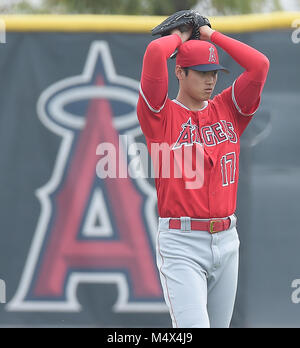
x: 212, y: 55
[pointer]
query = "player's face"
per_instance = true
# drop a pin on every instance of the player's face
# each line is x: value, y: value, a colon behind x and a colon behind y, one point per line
x: 199, y: 84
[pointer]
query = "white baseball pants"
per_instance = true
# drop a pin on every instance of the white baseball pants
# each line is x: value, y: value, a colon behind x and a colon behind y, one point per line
x: 198, y: 273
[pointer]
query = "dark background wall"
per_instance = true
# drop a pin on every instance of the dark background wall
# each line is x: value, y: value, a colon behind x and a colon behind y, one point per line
x: 268, y: 199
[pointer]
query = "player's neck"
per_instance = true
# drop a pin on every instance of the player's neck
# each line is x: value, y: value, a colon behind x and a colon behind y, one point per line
x: 190, y: 103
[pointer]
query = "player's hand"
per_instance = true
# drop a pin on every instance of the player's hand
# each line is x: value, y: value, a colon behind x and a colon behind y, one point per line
x: 206, y: 33
x: 185, y: 36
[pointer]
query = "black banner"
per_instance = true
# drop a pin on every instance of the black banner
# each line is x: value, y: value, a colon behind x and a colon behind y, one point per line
x: 77, y: 250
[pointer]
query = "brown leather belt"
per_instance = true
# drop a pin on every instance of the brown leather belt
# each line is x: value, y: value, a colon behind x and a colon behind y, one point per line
x: 211, y: 226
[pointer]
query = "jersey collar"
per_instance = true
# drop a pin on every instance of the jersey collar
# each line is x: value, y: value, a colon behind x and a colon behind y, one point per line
x: 183, y: 106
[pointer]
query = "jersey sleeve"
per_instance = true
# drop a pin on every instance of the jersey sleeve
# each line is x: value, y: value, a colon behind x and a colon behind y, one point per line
x: 152, y: 120
x: 228, y: 100
x: 243, y: 99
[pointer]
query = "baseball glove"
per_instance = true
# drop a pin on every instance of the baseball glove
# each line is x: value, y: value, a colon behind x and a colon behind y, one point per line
x: 183, y: 20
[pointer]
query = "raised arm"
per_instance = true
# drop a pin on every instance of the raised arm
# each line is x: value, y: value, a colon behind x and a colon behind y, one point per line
x: 154, y: 80
x: 249, y: 85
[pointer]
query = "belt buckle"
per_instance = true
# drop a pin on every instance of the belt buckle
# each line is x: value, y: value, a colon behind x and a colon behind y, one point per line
x: 211, y: 226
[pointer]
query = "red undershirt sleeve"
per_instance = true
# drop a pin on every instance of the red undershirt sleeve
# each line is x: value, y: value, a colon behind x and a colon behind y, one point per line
x: 153, y: 103
x: 154, y: 80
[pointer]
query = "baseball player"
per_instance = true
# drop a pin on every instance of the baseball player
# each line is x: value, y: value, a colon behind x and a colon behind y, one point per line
x: 197, y: 241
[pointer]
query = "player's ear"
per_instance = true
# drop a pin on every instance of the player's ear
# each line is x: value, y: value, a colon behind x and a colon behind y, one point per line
x: 179, y: 72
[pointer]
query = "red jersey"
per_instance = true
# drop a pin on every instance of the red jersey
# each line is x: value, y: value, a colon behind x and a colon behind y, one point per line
x: 214, y: 131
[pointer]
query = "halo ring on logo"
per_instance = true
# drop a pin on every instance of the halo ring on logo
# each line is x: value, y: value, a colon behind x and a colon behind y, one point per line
x: 60, y: 115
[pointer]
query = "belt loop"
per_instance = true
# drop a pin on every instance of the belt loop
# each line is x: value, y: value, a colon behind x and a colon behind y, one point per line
x: 233, y: 220
x: 163, y: 224
x: 185, y: 223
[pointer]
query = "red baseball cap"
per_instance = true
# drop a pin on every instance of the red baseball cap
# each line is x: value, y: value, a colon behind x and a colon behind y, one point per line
x: 199, y: 55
